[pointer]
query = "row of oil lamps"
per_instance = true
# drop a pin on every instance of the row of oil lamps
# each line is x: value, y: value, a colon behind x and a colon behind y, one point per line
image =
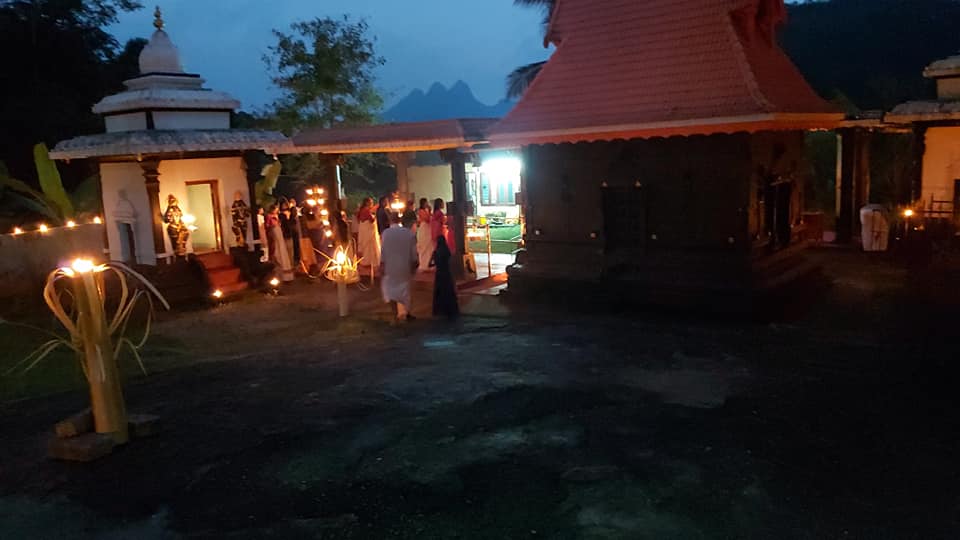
x: 43, y: 227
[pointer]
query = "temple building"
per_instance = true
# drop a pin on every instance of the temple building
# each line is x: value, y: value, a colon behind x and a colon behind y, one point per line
x: 663, y: 149
x: 936, y: 124
x: 171, y: 168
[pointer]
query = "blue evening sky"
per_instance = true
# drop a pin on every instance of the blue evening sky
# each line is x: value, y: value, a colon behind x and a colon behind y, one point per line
x: 423, y: 41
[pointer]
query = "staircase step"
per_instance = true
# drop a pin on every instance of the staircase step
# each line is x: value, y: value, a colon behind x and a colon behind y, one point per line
x: 233, y: 288
x: 216, y: 260
x: 224, y: 276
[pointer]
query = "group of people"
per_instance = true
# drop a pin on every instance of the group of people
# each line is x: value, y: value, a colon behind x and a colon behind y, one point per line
x: 396, y: 242
x: 292, y: 234
x: 401, y: 242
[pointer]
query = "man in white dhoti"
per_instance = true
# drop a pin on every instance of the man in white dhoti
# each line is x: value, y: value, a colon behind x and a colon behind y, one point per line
x: 398, y: 263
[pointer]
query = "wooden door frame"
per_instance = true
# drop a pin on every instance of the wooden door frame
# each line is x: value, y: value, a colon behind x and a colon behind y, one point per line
x: 215, y: 199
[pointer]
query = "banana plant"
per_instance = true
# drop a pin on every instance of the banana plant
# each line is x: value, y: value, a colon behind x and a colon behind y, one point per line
x: 265, y: 186
x: 52, y: 200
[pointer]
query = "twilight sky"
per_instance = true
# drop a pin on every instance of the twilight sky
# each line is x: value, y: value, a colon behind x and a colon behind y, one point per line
x: 423, y: 41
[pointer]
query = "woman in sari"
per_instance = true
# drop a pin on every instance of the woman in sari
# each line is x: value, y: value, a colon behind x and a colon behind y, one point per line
x: 368, y: 239
x: 279, y: 255
x: 425, y: 244
x: 445, y: 303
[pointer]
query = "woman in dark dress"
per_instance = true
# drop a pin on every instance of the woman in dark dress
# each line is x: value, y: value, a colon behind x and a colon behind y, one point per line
x: 444, y: 290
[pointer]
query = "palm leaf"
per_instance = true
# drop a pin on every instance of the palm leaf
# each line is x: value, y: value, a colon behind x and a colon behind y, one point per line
x: 521, y: 78
x: 50, y: 181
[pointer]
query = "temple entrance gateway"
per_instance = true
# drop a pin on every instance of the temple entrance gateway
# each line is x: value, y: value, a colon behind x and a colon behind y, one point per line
x: 202, y: 204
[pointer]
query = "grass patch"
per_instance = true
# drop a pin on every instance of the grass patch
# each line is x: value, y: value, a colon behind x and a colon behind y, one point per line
x: 506, y: 234
x: 60, y: 371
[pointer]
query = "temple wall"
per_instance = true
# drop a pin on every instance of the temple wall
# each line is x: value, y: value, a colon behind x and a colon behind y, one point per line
x: 231, y: 178
x: 29, y: 257
x: 431, y: 181
x: 191, y: 120
x: 657, y: 213
x: 126, y: 122
x: 941, y: 164
x: 124, y: 182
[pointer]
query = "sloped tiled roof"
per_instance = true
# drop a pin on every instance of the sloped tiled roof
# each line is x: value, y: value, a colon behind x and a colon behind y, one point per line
x: 131, y: 143
x: 638, y: 68
x: 405, y: 137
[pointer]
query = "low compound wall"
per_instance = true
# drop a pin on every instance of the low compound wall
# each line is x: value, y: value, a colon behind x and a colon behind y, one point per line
x: 26, y: 259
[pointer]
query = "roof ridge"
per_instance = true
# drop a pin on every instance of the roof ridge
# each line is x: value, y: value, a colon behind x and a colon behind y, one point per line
x: 553, y: 18
x: 750, y: 78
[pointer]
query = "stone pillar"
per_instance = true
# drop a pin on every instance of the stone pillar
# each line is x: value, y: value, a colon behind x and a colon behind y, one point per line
x: 401, y: 161
x: 151, y: 179
x: 253, y: 163
x: 853, y: 180
x: 457, y: 220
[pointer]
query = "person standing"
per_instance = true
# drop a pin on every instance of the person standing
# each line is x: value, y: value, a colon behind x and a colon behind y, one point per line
x: 425, y: 244
x: 399, y: 263
x: 383, y: 219
x: 279, y: 255
x: 445, y: 303
x: 438, y: 226
x: 368, y: 238
x: 409, y: 217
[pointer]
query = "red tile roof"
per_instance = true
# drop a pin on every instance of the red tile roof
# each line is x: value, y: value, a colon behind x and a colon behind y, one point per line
x: 406, y: 137
x: 640, y: 68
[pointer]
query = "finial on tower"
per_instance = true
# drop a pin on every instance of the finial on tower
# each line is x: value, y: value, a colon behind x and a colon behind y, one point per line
x: 157, y: 19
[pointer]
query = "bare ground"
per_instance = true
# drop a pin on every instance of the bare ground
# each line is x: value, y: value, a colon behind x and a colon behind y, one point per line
x: 288, y: 423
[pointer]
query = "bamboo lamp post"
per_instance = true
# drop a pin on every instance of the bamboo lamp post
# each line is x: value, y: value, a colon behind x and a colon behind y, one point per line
x: 96, y: 336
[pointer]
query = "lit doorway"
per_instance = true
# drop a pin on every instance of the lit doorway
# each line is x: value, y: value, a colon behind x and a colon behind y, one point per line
x: 203, y: 202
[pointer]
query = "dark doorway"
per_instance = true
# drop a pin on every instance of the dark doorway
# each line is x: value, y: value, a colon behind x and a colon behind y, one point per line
x: 624, y: 218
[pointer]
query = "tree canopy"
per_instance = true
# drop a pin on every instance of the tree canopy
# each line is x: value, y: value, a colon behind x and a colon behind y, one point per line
x: 324, y: 69
x: 58, y: 60
x: 871, y: 52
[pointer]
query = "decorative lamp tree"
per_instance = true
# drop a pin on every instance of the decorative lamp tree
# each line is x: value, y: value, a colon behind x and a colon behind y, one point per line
x: 342, y: 270
x: 97, y: 337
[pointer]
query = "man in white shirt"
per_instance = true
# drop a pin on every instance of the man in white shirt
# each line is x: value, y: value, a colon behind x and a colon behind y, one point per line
x: 398, y: 263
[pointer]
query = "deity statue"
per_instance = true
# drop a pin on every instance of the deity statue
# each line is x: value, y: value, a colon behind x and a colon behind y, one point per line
x: 177, y: 230
x: 240, y: 213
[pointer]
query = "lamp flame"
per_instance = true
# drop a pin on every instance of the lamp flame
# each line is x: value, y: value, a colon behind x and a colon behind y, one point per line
x: 218, y: 294
x: 71, y: 224
x: 97, y: 221
x: 908, y: 213
x: 17, y: 230
x: 274, y: 283
x: 44, y: 228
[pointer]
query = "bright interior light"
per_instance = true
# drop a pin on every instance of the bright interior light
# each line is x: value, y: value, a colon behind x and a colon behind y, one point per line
x: 97, y: 220
x: 17, y: 230
x: 320, y: 191
x: 82, y: 266
x: 71, y: 224
x: 189, y: 219
x: 274, y: 282
x: 44, y: 228
x: 324, y: 212
x: 322, y: 201
x: 309, y: 192
x: 218, y: 294
x: 329, y: 234
x: 908, y: 213
x: 502, y: 167
x: 311, y: 202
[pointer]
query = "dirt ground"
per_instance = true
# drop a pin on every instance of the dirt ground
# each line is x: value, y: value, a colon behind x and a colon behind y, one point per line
x: 840, y: 422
